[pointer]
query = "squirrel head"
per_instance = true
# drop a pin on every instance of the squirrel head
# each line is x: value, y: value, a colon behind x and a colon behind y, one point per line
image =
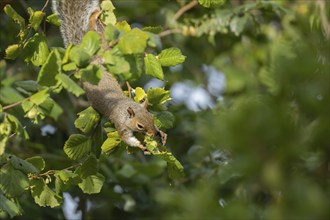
x: 141, y: 120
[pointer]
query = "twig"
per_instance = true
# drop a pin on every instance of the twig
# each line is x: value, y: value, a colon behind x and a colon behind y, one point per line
x: 46, y: 4
x: 185, y: 8
x: 129, y: 89
x: 14, y: 104
x: 170, y: 31
x: 324, y: 20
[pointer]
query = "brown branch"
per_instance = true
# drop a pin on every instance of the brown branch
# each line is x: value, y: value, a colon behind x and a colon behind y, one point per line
x: 169, y: 32
x: 14, y: 104
x: 185, y: 8
x: 46, y: 4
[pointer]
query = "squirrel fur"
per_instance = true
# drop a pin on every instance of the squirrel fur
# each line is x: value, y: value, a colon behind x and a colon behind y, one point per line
x: 107, y: 97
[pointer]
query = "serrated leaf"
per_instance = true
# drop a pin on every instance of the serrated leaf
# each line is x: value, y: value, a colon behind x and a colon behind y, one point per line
x: 80, y: 56
x: 9, y: 206
x: 77, y: 146
x: 54, y: 19
x: 107, y: 6
x: 111, y: 33
x: 65, y: 175
x: 27, y: 85
x: 39, y: 97
x: 22, y: 165
x: 36, y: 19
x: 43, y: 195
x: 37, y: 161
x: 91, y: 42
x: 87, y: 119
x: 17, y: 126
x: 153, y: 66
x: 70, y: 85
x: 12, y: 181
x: 14, y: 15
x: 91, y: 74
x: 164, y: 120
x: 133, y: 42
x: 154, y: 30
x: 123, y: 26
x: 237, y: 24
x: 127, y: 171
x: 92, y: 184
x: 140, y: 94
x: 158, y: 96
x: 89, y: 167
x: 48, y: 72
x: 9, y: 95
x: 209, y: 3
x: 174, y: 167
x: 111, y: 142
x: 12, y: 52
x: 36, y: 50
x: 171, y: 57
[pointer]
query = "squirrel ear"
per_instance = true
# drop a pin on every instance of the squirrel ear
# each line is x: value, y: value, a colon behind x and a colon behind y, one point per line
x: 145, y: 104
x: 131, y: 113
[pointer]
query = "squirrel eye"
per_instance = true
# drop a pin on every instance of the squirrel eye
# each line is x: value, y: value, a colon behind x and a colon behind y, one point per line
x: 139, y: 126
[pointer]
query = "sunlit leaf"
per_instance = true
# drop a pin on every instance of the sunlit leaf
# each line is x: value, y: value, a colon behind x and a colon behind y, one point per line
x: 87, y: 119
x: 77, y: 146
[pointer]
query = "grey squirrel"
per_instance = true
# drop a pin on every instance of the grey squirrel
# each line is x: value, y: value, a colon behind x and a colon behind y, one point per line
x: 78, y: 17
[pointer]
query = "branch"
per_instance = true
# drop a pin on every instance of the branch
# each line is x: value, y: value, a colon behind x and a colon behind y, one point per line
x: 185, y: 8
x: 324, y: 20
x: 170, y: 31
x: 14, y: 104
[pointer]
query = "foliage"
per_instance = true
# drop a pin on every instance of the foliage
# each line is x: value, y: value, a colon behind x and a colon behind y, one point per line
x: 259, y: 153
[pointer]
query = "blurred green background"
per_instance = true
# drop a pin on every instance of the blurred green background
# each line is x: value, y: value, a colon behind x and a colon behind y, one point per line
x: 251, y: 107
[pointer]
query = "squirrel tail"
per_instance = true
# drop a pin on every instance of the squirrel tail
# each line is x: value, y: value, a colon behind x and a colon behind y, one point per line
x: 76, y: 17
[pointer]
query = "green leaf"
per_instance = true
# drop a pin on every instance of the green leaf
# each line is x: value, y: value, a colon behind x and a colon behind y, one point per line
x: 89, y: 167
x: 36, y: 50
x: 209, y: 3
x: 22, y: 165
x: 14, y: 15
x: 91, y: 42
x: 80, y: 56
x: 237, y: 24
x: 87, y: 119
x: 27, y: 85
x: 17, y: 126
x: 43, y: 195
x: 133, y: 42
x: 39, y: 97
x: 107, y: 6
x: 140, y: 94
x: 13, y: 182
x: 92, y: 184
x: 66, y: 175
x: 48, y: 72
x: 171, y: 57
x: 127, y: 171
x: 11, y: 208
x: 154, y: 30
x: 35, y: 18
x: 153, y: 67
x: 12, y: 51
x: 111, y: 142
x: 37, y: 161
x: 111, y: 33
x: 158, y: 96
x: 77, y: 146
x: 54, y: 19
x: 164, y: 119
x: 70, y: 85
x: 9, y: 95
x: 91, y: 74
x: 123, y: 26
x: 174, y: 167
